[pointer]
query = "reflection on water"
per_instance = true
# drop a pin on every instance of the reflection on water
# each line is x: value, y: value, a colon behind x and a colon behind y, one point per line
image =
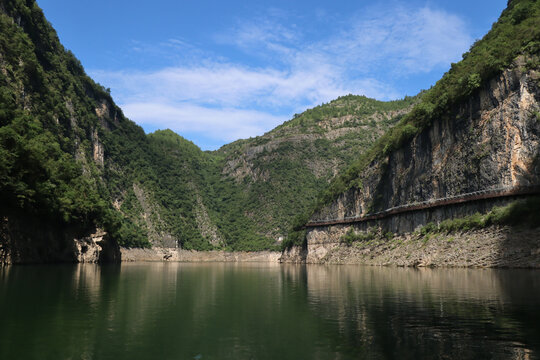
x: 453, y: 313
x: 266, y: 311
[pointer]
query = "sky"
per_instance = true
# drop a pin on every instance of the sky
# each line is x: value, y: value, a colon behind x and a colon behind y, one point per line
x: 218, y: 71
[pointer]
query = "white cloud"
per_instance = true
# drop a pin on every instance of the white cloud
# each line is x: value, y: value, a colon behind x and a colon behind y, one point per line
x: 403, y: 40
x: 228, y: 100
x: 230, y: 85
x: 226, y: 124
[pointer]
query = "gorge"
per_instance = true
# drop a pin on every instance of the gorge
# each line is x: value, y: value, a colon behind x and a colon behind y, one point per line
x: 449, y: 177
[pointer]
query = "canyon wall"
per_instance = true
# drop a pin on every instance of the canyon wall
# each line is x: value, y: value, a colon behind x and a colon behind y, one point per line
x: 489, y: 144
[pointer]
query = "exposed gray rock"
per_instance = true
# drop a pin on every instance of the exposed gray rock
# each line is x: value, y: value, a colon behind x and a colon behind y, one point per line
x: 492, y: 141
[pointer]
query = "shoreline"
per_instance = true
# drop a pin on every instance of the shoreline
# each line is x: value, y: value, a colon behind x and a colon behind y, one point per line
x: 493, y: 247
x: 179, y: 255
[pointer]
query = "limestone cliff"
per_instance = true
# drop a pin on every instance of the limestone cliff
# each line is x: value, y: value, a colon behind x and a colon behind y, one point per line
x: 490, y: 142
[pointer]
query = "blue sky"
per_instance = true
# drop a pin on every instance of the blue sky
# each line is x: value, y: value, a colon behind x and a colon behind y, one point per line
x: 217, y: 71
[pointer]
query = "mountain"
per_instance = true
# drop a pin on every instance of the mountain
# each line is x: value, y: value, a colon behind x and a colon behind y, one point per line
x: 458, y: 161
x: 78, y: 179
x: 278, y: 175
x: 245, y: 195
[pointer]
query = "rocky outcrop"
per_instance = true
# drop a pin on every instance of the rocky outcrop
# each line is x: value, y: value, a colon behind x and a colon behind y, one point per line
x: 36, y: 241
x: 151, y: 219
x: 205, y: 225
x: 490, y: 247
x: 492, y: 141
x: 98, y: 151
x: 294, y: 255
x: 96, y: 248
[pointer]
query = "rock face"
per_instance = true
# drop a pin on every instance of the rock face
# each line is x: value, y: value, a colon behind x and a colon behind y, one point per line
x: 36, y: 241
x: 491, y: 247
x: 96, y: 248
x: 490, y: 142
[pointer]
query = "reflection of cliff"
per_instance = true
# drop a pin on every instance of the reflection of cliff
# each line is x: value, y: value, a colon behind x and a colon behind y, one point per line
x: 407, y: 313
x: 153, y: 310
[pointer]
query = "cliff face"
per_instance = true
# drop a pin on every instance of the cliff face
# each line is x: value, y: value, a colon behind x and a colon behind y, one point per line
x: 490, y: 142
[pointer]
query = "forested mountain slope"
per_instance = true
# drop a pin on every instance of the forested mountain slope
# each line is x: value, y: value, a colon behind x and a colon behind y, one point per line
x: 55, y: 122
x: 278, y: 175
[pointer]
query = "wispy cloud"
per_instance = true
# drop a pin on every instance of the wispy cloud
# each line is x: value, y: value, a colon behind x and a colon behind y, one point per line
x: 406, y: 41
x: 231, y: 85
x: 226, y: 99
x: 227, y: 124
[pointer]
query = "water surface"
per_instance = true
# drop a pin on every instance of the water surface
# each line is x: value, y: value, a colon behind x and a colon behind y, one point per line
x: 266, y: 311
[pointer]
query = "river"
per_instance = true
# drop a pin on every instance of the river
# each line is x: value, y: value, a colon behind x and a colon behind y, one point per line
x: 267, y: 311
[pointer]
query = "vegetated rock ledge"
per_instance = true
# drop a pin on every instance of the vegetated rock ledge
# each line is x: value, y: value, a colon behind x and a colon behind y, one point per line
x: 483, y: 248
x: 180, y: 255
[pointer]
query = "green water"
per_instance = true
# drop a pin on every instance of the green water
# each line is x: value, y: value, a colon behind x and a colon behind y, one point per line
x: 254, y: 311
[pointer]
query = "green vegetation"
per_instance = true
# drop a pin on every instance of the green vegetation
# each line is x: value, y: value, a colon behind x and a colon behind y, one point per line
x: 524, y: 212
x: 41, y: 89
x: 357, y: 107
x: 352, y: 236
x: 294, y: 238
x: 279, y: 174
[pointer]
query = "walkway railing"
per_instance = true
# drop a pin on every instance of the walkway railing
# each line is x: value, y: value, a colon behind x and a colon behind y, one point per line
x: 432, y: 203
